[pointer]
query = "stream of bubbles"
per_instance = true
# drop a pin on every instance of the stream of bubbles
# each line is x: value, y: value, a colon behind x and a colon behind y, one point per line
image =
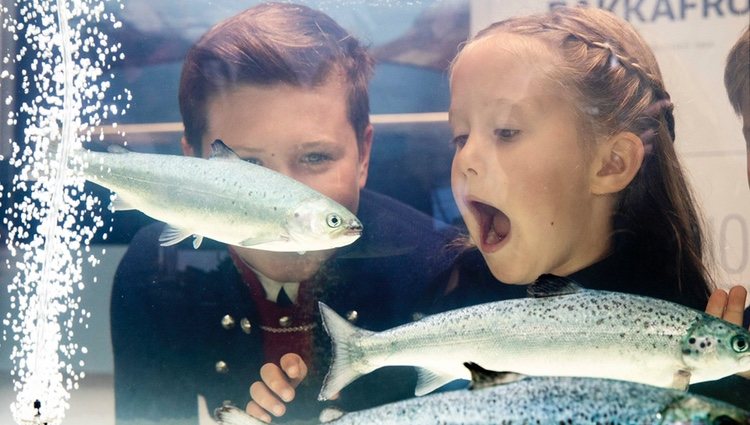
x: 60, y: 69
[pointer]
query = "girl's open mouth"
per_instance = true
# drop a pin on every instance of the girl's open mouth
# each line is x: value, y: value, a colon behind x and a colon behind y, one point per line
x: 494, y: 225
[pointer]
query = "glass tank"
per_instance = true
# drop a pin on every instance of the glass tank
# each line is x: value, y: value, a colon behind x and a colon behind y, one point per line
x: 374, y: 211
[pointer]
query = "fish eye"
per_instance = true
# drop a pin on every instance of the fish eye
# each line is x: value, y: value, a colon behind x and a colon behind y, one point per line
x: 333, y: 220
x: 739, y: 344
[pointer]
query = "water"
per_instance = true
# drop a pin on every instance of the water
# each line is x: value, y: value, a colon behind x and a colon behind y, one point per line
x: 61, y: 66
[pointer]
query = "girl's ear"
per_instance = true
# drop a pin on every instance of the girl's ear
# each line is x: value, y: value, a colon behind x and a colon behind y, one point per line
x: 616, y: 162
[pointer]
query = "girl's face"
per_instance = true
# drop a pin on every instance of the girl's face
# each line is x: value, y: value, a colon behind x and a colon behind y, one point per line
x: 520, y: 175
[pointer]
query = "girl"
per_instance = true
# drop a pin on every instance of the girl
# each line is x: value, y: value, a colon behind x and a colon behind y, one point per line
x: 565, y: 160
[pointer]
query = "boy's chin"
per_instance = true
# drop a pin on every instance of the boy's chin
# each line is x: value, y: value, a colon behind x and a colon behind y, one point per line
x: 285, y: 266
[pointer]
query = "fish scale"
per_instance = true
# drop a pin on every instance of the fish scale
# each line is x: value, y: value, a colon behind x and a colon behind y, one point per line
x: 576, y: 333
x: 543, y: 400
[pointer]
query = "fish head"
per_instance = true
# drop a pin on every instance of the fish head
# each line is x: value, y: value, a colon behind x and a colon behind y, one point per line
x: 714, y: 348
x: 692, y: 409
x: 322, y: 224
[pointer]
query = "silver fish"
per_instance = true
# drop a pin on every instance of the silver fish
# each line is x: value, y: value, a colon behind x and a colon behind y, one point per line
x: 563, y: 330
x: 540, y: 400
x: 223, y: 198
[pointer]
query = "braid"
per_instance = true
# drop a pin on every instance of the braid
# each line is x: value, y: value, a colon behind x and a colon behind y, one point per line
x: 662, y: 101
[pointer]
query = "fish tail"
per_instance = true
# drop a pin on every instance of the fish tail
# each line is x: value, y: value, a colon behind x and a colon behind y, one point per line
x: 230, y: 415
x: 345, y: 366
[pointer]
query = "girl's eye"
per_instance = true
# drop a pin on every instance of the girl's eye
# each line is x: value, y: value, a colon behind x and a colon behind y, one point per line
x: 255, y: 161
x: 506, y: 134
x: 315, y: 158
x: 459, y: 141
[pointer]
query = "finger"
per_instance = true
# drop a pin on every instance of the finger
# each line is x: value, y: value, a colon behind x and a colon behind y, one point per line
x: 275, y: 379
x: 294, y: 367
x: 254, y: 410
x: 735, y: 305
x: 266, y: 399
x: 716, y: 303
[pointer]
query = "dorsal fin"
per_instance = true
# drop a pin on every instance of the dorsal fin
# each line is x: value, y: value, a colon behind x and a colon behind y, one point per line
x: 483, y: 378
x: 221, y: 151
x: 549, y: 285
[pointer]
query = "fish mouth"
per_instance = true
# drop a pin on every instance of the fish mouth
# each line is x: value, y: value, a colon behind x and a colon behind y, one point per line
x: 353, y: 228
x: 494, y: 225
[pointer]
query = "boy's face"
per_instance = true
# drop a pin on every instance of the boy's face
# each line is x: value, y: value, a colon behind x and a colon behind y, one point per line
x: 520, y: 175
x: 303, y: 133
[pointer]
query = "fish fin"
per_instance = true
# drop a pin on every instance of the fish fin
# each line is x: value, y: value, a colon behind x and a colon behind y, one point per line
x: 197, y: 241
x: 681, y: 380
x: 345, y: 339
x: 428, y: 381
x: 549, y: 285
x: 117, y: 149
x: 117, y: 203
x: 255, y: 240
x: 230, y: 415
x: 172, y: 235
x: 330, y: 414
x: 221, y: 151
x: 483, y: 378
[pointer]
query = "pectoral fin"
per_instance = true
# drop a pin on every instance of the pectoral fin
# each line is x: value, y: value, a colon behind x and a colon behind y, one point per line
x: 428, y: 381
x: 172, y: 235
x: 330, y: 414
x: 483, y: 378
x: 681, y: 380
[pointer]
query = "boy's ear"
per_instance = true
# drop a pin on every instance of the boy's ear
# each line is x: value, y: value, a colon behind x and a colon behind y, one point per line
x: 187, y: 148
x: 364, y: 156
x: 616, y: 162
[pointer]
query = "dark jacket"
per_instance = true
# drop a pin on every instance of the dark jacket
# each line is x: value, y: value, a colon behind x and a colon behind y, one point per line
x: 168, y: 303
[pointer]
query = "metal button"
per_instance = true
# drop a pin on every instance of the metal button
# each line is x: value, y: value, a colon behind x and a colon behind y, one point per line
x: 285, y: 321
x: 221, y: 367
x: 227, y: 322
x: 245, y: 325
x: 352, y: 316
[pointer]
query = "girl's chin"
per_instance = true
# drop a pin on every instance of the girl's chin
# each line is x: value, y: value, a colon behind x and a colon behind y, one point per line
x: 505, y: 274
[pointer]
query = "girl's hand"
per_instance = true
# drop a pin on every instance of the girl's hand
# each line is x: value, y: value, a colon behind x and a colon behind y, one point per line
x: 276, y: 388
x: 729, y: 307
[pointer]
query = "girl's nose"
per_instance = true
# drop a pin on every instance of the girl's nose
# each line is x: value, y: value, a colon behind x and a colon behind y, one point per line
x: 467, y: 158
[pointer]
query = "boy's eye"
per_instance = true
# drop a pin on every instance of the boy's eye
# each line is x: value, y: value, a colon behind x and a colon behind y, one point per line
x: 315, y: 158
x: 506, y: 133
x: 459, y: 141
x: 255, y: 161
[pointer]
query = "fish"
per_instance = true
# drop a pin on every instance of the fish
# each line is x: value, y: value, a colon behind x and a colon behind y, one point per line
x: 561, y: 329
x: 223, y: 198
x: 535, y: 400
